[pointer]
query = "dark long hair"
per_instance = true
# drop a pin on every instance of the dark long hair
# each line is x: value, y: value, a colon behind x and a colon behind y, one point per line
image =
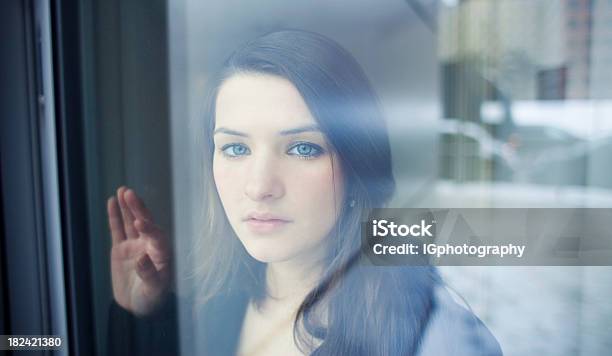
x: 354, y: 310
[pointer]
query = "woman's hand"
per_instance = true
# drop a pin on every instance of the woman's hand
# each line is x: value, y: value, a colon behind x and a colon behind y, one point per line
x: 140, y: 255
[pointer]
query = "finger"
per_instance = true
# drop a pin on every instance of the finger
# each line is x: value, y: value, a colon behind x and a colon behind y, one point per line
x: 158, y: 237
x: 139, y: 210
x: 147, y: 272
x: 115, y: 222
x: 128, y: 218
x: 149, y: 229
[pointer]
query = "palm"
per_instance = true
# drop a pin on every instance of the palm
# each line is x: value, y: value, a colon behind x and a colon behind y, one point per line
x: 140, y: 255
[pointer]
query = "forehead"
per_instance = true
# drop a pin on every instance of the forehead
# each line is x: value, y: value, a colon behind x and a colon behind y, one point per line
x: 260, y: 100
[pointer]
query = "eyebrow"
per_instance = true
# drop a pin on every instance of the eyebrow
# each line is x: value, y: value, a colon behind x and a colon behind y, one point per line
x: 297, y: 130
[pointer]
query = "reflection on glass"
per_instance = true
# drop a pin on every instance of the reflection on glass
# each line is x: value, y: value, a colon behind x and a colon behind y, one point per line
x: 527, y: 105
x: 524, y: 91
x: 513, y: 112
x: 296, y: 152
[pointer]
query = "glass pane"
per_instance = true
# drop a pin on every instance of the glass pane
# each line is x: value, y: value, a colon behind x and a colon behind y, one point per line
x: 259, y: 134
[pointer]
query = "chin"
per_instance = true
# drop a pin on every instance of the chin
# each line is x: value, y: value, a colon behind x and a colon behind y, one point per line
x: 266, y: 256
x: 268, y: 251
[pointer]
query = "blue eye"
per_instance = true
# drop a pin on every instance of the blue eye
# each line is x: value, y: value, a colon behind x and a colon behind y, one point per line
x: 235, y: 150
x: 306, y: 150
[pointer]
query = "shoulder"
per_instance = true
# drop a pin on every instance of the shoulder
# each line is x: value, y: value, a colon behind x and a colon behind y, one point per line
x: 454, y: 330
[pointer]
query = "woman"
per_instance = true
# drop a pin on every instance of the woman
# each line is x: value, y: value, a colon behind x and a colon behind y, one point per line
x: 296, y: 153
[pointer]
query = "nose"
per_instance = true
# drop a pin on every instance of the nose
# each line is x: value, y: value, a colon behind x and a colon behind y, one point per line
x: 263, y: 180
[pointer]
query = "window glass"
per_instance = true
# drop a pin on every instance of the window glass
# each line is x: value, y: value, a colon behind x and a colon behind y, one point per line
x: 485, y: 104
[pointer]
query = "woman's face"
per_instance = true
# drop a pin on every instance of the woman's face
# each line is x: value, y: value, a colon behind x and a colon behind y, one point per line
x: 273, y: 169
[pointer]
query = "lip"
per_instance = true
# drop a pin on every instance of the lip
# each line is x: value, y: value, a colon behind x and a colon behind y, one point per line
x: 265, y: 222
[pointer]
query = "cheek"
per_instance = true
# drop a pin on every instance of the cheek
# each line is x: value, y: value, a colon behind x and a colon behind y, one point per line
x: 319, y: 188
x: 226, y: 181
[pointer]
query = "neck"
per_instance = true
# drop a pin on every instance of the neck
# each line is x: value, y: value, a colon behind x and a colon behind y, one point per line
x: 292, y: 280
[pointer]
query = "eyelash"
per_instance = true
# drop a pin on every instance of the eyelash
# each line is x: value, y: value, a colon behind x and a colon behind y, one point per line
x: 318, y: 149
